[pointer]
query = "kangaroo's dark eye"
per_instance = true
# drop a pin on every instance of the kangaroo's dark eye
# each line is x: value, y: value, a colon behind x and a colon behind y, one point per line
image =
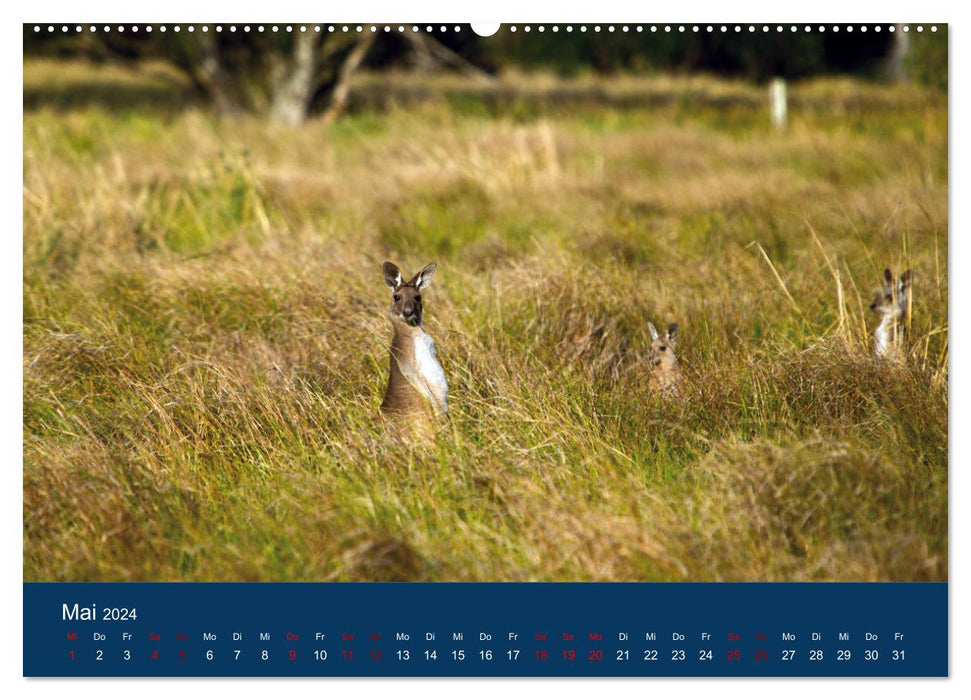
x: 397, y: 297
x: 663, y: 348
x: 418, y: 298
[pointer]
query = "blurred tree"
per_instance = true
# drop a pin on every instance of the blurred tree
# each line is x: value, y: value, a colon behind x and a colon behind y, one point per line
x: 288, y: 76
x: 897, y: 56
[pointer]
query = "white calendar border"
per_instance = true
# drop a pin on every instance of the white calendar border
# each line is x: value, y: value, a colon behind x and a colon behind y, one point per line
x: 820, y: 11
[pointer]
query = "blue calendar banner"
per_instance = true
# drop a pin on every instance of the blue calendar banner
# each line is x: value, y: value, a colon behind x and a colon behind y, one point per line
x: 485, y: 629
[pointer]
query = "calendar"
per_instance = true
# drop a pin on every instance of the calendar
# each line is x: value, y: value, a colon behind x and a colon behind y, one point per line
x: 485, y: 630
x: 363, y: 349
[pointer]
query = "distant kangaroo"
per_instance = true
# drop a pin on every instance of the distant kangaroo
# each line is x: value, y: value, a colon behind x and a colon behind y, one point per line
x: 892, y: 303
x: 665, y: 372
x: 416, y: 378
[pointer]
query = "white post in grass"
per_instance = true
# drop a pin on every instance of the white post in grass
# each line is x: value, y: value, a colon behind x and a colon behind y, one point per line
x: 777, y: 101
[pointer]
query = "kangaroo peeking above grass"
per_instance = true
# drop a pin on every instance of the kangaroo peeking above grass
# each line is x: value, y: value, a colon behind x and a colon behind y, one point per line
x: 665, y: 372
x: 892, y: 303
x: 416, y: 379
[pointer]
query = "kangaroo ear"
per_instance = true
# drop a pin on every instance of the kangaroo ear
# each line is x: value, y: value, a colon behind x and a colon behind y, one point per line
x: 905, y: 279
x: 673, y: 334
x: 392, y: 275
x: 888, y: 275
x: 653, y: 330
x: 424, y: 278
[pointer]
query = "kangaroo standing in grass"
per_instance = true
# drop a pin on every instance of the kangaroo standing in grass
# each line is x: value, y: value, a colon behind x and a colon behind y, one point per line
x: 893, y: 304
x: 665, y: 372
x: 416, y: 378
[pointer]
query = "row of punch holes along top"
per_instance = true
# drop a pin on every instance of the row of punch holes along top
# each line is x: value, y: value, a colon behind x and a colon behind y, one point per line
x: 681, y: 28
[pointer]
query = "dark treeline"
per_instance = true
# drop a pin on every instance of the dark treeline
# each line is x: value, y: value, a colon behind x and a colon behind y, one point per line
x: 292, y: 75
x: 752, y: 56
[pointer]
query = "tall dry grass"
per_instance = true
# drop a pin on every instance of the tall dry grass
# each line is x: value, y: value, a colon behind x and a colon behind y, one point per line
x: 205, y: 341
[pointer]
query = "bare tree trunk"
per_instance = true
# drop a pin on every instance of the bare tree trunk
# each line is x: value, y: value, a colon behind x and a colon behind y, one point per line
x: 342, y: 85
x: 291, y: 98
x: 217, y: 82
x: 896, y: 59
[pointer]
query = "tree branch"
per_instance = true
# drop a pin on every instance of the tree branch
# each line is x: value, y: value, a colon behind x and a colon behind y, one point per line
x: 342, y: 86
x: 430, y: 53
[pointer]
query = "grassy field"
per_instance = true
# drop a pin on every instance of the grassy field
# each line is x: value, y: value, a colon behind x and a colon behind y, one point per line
x: 206, y: 341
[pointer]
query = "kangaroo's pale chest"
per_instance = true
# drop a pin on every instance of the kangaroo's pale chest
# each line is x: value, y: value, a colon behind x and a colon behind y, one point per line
x: 424, y: 372
x: 882, y: 338
x: 426, y: 360
x: 667, y: 380
x: 430, y: 371
x: 884, y: 344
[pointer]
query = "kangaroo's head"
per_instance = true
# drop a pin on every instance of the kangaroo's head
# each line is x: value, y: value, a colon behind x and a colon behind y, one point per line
x: 406, y: 296
x: 893, y: 297
x: 662, y: 347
